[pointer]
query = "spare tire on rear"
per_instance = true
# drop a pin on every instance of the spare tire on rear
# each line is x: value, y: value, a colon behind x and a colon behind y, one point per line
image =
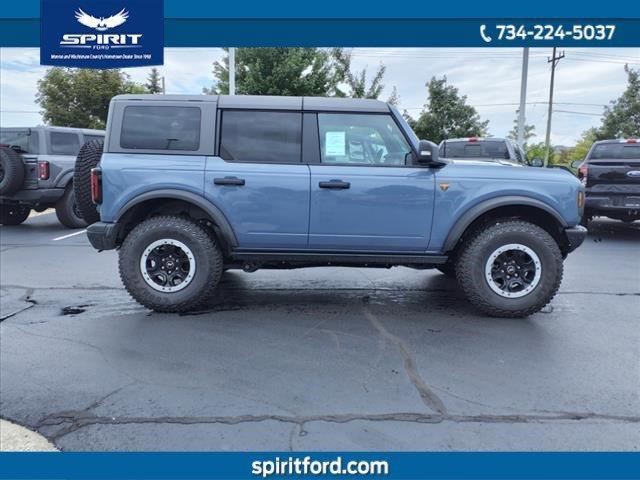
x: 11, y: 171
x: 88, y: 158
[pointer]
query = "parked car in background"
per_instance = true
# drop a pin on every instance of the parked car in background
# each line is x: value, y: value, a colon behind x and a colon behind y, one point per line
x: 490, y: 150
x: 611, y: 174
x: 189, y: 186
x: 36, y: 172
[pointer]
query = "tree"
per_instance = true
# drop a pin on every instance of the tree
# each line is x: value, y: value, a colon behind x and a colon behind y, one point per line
x: 356, y: 82
x: 529, y: 132
x: 622, y: 118
x: 536, y: 150
x: 580, y: 150
x: 154, y: 82
x: 74, y: 97
x: 447, y: 115
x: 280, y: 71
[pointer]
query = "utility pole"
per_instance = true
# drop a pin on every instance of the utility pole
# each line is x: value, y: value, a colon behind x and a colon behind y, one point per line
x: 232, y: 71
x: 523, y: 96
x: 164, y: 90
x: 553, y: 61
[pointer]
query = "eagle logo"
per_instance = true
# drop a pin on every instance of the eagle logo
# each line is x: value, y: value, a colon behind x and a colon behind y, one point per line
x: 101, y: 24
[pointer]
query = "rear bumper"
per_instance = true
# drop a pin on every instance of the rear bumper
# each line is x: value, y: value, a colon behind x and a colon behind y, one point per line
x: 613, y: 202
x: 37, y: 196
x: 103, y: 236
x: 575, y: 237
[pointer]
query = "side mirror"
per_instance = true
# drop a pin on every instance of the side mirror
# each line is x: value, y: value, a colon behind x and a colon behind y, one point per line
x: 537, y: 162
x: 428, y: 153
x: 576, y: 163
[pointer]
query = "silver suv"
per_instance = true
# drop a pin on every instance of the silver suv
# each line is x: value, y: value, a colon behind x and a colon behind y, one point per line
x: 36, y: 172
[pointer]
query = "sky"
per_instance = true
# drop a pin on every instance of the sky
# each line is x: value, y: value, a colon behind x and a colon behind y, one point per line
x: 586, y: 80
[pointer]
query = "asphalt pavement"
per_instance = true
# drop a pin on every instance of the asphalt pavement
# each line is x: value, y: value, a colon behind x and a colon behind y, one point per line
x: 318, y: 358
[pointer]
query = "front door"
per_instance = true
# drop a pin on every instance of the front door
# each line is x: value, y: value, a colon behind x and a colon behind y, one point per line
x: 365, y: 193
x: 258, y: 179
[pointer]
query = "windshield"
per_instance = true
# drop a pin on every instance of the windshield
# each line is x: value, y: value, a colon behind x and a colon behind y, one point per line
x: 616, y: 151
x: 475, y: 149
x: 27, y: 142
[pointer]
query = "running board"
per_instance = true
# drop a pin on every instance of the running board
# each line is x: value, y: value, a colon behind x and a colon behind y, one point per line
x: 332, y: 258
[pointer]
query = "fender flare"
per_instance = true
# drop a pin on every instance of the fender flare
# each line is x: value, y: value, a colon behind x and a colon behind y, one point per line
x: 483, y: 207
x: 209, y: 208
x: 65, y: 179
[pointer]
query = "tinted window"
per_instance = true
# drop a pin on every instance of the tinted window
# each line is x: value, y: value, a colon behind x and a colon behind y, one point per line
x: 88, y: 138
x: 478, y: 149
x: 616, y: 151
x: 361, y: 139
x: 20, y: 138
x: 63, y: 143
x: 161, y: 128
x: 250, y: 136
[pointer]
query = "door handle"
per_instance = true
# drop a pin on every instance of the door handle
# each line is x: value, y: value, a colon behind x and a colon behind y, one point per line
x: 336, y: 184
x: 229, y: 181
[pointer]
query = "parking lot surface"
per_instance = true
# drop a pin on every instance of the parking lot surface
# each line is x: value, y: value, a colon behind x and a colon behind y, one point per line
x: 319, y: 358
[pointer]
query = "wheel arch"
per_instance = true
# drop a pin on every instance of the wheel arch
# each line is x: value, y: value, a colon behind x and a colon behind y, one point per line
x: 525, y: 208
x: 177, y: 201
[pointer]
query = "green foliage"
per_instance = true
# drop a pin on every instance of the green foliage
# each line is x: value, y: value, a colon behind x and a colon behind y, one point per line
x: 536, y: 150
x: 529, y: 131
x: 622, y: 118
x: 580, y: 150
x: 356, y: 82
x: 280, y: 71
x: 154, y: 83
x: 447, y: 115
x: 74, y: 97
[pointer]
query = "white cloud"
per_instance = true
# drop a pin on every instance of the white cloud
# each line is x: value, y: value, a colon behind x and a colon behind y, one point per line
x: 489, y: 77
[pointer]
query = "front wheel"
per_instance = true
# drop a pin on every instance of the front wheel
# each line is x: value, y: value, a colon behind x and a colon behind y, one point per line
x: 170, y: 264
x: 510, y: 269
x: 13, y: 214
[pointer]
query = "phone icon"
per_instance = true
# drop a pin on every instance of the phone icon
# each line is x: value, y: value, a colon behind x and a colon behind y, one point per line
x: 484, y: 35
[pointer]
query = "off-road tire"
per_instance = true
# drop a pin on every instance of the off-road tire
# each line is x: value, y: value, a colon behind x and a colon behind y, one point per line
x: 67, y: 211
x: 13, y: 214
x: 208, y: 264
x: 88, y: 158
x: 470, y: 268
x: 11, y: 171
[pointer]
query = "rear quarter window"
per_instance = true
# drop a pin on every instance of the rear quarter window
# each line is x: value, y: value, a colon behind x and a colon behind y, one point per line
x: 64, y: 143
x: 161, y: 128
x: 474, y: 150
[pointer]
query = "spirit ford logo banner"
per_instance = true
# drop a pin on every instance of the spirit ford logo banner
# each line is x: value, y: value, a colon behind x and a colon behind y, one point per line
x: 102, y: 33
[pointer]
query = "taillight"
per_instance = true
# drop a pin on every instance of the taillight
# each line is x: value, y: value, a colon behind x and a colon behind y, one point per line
x: 583, y: 171
x: 96, y: 185
x: 473, y: 139
x: 632, y: 140
x: 43, y: 170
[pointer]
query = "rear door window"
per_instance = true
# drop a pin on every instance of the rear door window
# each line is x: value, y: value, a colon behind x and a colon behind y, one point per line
x: 64, y: 143
x: 161, y: 128
x: 261, y: 136
x: 616, y: 151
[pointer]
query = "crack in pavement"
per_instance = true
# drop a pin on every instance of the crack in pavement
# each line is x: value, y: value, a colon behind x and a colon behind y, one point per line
x: 78, y: 420
x: 25, y: 298
x: 429, y: 398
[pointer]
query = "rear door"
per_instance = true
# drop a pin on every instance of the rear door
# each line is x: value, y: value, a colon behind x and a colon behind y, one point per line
x: 614, y: 169
x: 258, y: 179
x: 365, y: 193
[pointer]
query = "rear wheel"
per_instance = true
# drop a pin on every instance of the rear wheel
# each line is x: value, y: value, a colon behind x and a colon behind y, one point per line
x: 170, y: 264
x: 67, y: 210
x: 88, y: 158
x: 11, y: 171
x: 510, y: 269
x: 13, y: 214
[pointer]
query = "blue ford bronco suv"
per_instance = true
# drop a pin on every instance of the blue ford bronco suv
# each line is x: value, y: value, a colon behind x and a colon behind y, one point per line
x: 190, y: 186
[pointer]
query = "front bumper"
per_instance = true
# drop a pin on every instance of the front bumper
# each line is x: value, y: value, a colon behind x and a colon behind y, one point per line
x: 103, y: 236
x: 575, y: 237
